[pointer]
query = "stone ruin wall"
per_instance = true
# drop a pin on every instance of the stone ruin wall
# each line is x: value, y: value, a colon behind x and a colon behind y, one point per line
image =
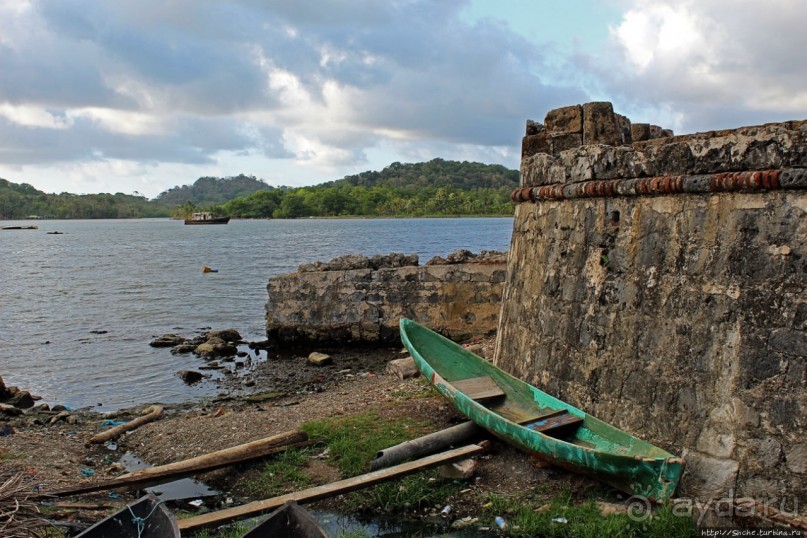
x: 358, y: 299
x: 658, y: 282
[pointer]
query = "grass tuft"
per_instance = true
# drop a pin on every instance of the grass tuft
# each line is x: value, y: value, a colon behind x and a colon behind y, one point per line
x: 284, y: 474
x: 583, y: 520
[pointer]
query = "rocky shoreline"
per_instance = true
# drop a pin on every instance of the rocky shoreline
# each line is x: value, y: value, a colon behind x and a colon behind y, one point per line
x: 49, y: 446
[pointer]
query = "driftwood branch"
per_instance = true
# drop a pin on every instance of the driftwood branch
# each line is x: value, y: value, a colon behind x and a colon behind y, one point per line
x: 200, y: 464
x: 329, y: 490
x: 428, y: 444
x: 149, y: 414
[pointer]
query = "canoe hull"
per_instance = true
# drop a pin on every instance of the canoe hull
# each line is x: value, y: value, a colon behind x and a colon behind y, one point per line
x: 158, y: 522
x: 290, y: 520
x: 595, y: 448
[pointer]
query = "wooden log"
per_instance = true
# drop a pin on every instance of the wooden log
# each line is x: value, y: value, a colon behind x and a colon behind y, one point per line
x: 200, y: 464
x: 149, y: 414
x: 428, y: 444
x: 329, y: 490
x: 403, y: 368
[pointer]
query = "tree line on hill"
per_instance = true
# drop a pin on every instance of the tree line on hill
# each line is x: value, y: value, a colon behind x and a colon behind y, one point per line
x: 437, y: 187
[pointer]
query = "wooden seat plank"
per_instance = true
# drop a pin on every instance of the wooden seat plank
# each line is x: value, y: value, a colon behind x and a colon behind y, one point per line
x: 553, y: 422
x: 479, y: 388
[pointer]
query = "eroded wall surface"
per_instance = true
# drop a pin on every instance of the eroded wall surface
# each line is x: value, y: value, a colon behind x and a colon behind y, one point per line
x: 360, y: 299
x: 660, y: 286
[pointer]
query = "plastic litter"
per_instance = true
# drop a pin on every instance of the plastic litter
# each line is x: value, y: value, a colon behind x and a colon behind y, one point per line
x: 559, y: 520
x: 501, y: 523
x: 112, y: 423
x: 111, y: 446
x: 197, y: 503
x: 113, y: 495
x: 446, y: 511
x: 87, y: 472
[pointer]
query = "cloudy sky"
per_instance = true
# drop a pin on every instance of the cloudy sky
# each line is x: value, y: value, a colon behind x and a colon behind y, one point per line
x: 140, y: 96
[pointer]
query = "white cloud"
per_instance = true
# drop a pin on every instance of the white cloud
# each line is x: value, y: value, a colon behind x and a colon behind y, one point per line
x: 314, y: 91
x: 122, y: 121
x: 716, y: 63
x: 34, y: 116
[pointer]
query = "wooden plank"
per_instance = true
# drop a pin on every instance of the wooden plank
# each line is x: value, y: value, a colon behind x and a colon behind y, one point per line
x: 329, y: 490
x: 200, y: 464
x: 479, y: 388
x: 553, y: 422
x: 537, y: 418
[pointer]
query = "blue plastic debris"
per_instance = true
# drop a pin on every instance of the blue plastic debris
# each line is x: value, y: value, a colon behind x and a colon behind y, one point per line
x: 112, y: 423
x: 113, y: 495
x: 87, y: 472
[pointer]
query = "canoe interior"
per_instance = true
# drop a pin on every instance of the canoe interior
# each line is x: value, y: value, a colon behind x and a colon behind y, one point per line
x: 291, y: 521
x: 159, y: 522
x: 577, y: 440
x: 522, y: 402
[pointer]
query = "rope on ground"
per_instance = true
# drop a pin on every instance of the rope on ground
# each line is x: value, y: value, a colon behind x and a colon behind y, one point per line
x: 140, y: 522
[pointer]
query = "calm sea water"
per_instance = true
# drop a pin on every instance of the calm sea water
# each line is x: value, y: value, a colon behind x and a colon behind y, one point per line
x: 77, y: 310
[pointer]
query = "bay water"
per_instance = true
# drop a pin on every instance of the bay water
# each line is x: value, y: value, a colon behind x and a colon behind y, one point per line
x: 79, y: 308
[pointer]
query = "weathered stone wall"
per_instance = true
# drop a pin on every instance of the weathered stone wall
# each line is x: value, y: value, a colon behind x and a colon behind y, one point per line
x: 660, y: 286
x: 358, y: 299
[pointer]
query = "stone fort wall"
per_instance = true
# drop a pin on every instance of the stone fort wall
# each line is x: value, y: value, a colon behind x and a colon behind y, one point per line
x: 658, y: 282
x: 358, y: 299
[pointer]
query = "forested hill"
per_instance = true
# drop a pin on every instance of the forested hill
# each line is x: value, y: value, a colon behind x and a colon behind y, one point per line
x: 20, y: 201
x: 435, y: 188
x: 213, y: 190
x: 435, y: 173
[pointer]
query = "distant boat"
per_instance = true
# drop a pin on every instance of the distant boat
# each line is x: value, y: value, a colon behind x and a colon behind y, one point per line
x: 206, y: 218
x: 290, y: 520
x: 157, y: 522
x: 20, y: 228
x: 534, y: 421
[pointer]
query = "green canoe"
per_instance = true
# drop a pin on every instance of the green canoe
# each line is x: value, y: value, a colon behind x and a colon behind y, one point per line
x: 536, y: 422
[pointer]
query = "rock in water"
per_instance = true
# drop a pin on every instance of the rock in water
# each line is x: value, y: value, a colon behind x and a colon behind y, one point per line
x: 167, y: 340
x: 190, y: 376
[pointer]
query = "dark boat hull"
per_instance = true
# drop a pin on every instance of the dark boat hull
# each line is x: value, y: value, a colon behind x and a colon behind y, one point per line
x: 215, y: 220
x: 158, y: 522
x: 289, y: 521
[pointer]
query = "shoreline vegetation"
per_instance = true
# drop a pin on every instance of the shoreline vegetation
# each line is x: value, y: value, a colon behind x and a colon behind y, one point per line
x: 436, y: 188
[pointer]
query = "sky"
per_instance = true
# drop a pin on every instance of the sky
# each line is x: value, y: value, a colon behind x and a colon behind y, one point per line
x: 138, y: 96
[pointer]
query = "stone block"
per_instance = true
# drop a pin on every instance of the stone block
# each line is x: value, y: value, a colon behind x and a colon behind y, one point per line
x: 568, y: 119
x: 563, y: 141
x: 640, y: 132
x: 789, y: 342
x: 533, y: 144
x: 796, y: 458
x: 533, y: 128
x: 319, y: 359
x: 624, y: 126
x: 766, y: 453
x: 710, y: 477
x: 459, y: 470
x: 403, y: 368
x: 600, y: 125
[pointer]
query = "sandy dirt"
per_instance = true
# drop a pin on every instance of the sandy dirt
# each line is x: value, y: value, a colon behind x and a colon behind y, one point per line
x: 55, y: 455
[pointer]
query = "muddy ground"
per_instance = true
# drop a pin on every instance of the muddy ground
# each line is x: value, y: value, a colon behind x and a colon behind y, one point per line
x: 52, y: 456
